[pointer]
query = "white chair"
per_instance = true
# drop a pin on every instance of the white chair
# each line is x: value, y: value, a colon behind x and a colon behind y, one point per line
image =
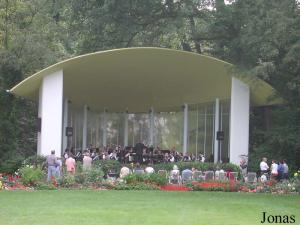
x: 198, y: 176
x: 251, y: 177
x: 209, y: 175
x: 175, y: 177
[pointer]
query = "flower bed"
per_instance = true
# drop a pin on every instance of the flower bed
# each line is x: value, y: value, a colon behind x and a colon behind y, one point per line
x: 174, y: 187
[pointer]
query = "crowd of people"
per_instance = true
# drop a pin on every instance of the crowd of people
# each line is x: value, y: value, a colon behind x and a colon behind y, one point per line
x: 137, y: 154
x: 55, y: 165
x: 276, y: 171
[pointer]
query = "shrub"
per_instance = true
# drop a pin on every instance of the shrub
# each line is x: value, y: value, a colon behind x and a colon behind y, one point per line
x: 36, y: 160
x: 157, y: 179
x: 66, y: 180
x: 11, y: 165
x: 137, y: 186
x: 30, y: 175
x: 94, y: 175
x: 45, y: 186
x: 198, y: 165
x: 108, y: 165
x: 134, y: 178
x: 153, y: 178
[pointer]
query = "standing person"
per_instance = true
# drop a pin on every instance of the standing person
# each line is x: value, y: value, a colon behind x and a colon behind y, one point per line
x: 274, y: 169
x: 86, y: 162
x: 264, y: 168
x: 71, y: 164
x: 243, y: 166
x: 285, y: 170
x: 59, y: 167
x: 280, y: 170
x: 52, y: 163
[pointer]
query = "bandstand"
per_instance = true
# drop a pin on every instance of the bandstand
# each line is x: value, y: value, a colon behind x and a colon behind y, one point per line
x: 157, y: 96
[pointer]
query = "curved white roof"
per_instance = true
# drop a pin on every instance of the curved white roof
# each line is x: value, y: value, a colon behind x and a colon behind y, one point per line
x: 138, y: 78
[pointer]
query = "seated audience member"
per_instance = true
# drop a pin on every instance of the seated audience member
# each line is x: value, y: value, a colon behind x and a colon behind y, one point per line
x: 187, y: 175
x: 138, y: 169
x: 86, y: 161
x: 149, y: 169
x: 124, y: 172
x: 175, y: 175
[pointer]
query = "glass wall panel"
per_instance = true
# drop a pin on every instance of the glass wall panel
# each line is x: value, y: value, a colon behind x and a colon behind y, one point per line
x: 224, y: 126
x: 201, y: 129
x: 76, y: 121
x: 138, y: 129
x: 168, y: 129
x: 115, y: 129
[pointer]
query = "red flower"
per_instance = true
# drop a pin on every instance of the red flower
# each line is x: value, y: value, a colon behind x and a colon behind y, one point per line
x: 174, y: 187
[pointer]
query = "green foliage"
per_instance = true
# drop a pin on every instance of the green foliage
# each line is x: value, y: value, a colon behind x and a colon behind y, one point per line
x: 153, y: 178
x: 92, y: 176
x: 36, y: 160
x: 66, y: 180
x: 136, y: 186
x: 108, y: 165
x: 44, y: 186
x: 30, y: 175
x: 157, y: 179
x: 260, y: 37
x: 197, y: 165
x: 11, y: 164
x: 134, y: 178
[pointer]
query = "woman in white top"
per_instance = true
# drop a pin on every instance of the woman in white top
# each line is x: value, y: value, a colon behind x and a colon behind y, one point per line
x: 274, y: 169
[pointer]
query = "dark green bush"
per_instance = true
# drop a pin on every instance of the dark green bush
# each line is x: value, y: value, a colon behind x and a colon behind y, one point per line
x: 11, y: 165
x: 36, y: 160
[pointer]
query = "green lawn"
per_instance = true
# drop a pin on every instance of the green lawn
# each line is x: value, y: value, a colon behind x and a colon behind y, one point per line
x: 141, y: 207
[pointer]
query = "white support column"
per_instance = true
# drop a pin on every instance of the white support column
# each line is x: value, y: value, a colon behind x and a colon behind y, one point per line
x: 185, y: 128
x: 51, y: 113
x: 125, y: 129
x: 84, y: 127
x: 151, y: 134
x: 104, y: 128
x: 197, y: 131
x: 216, y: 129
x: 65, y: 122
x: 39, y: 136
x: 239, y: 120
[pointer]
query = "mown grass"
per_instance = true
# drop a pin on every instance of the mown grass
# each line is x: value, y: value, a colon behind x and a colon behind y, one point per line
x: 64, y: 207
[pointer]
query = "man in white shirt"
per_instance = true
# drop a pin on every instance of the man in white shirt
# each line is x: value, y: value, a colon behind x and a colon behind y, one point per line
x: 264, y: 166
